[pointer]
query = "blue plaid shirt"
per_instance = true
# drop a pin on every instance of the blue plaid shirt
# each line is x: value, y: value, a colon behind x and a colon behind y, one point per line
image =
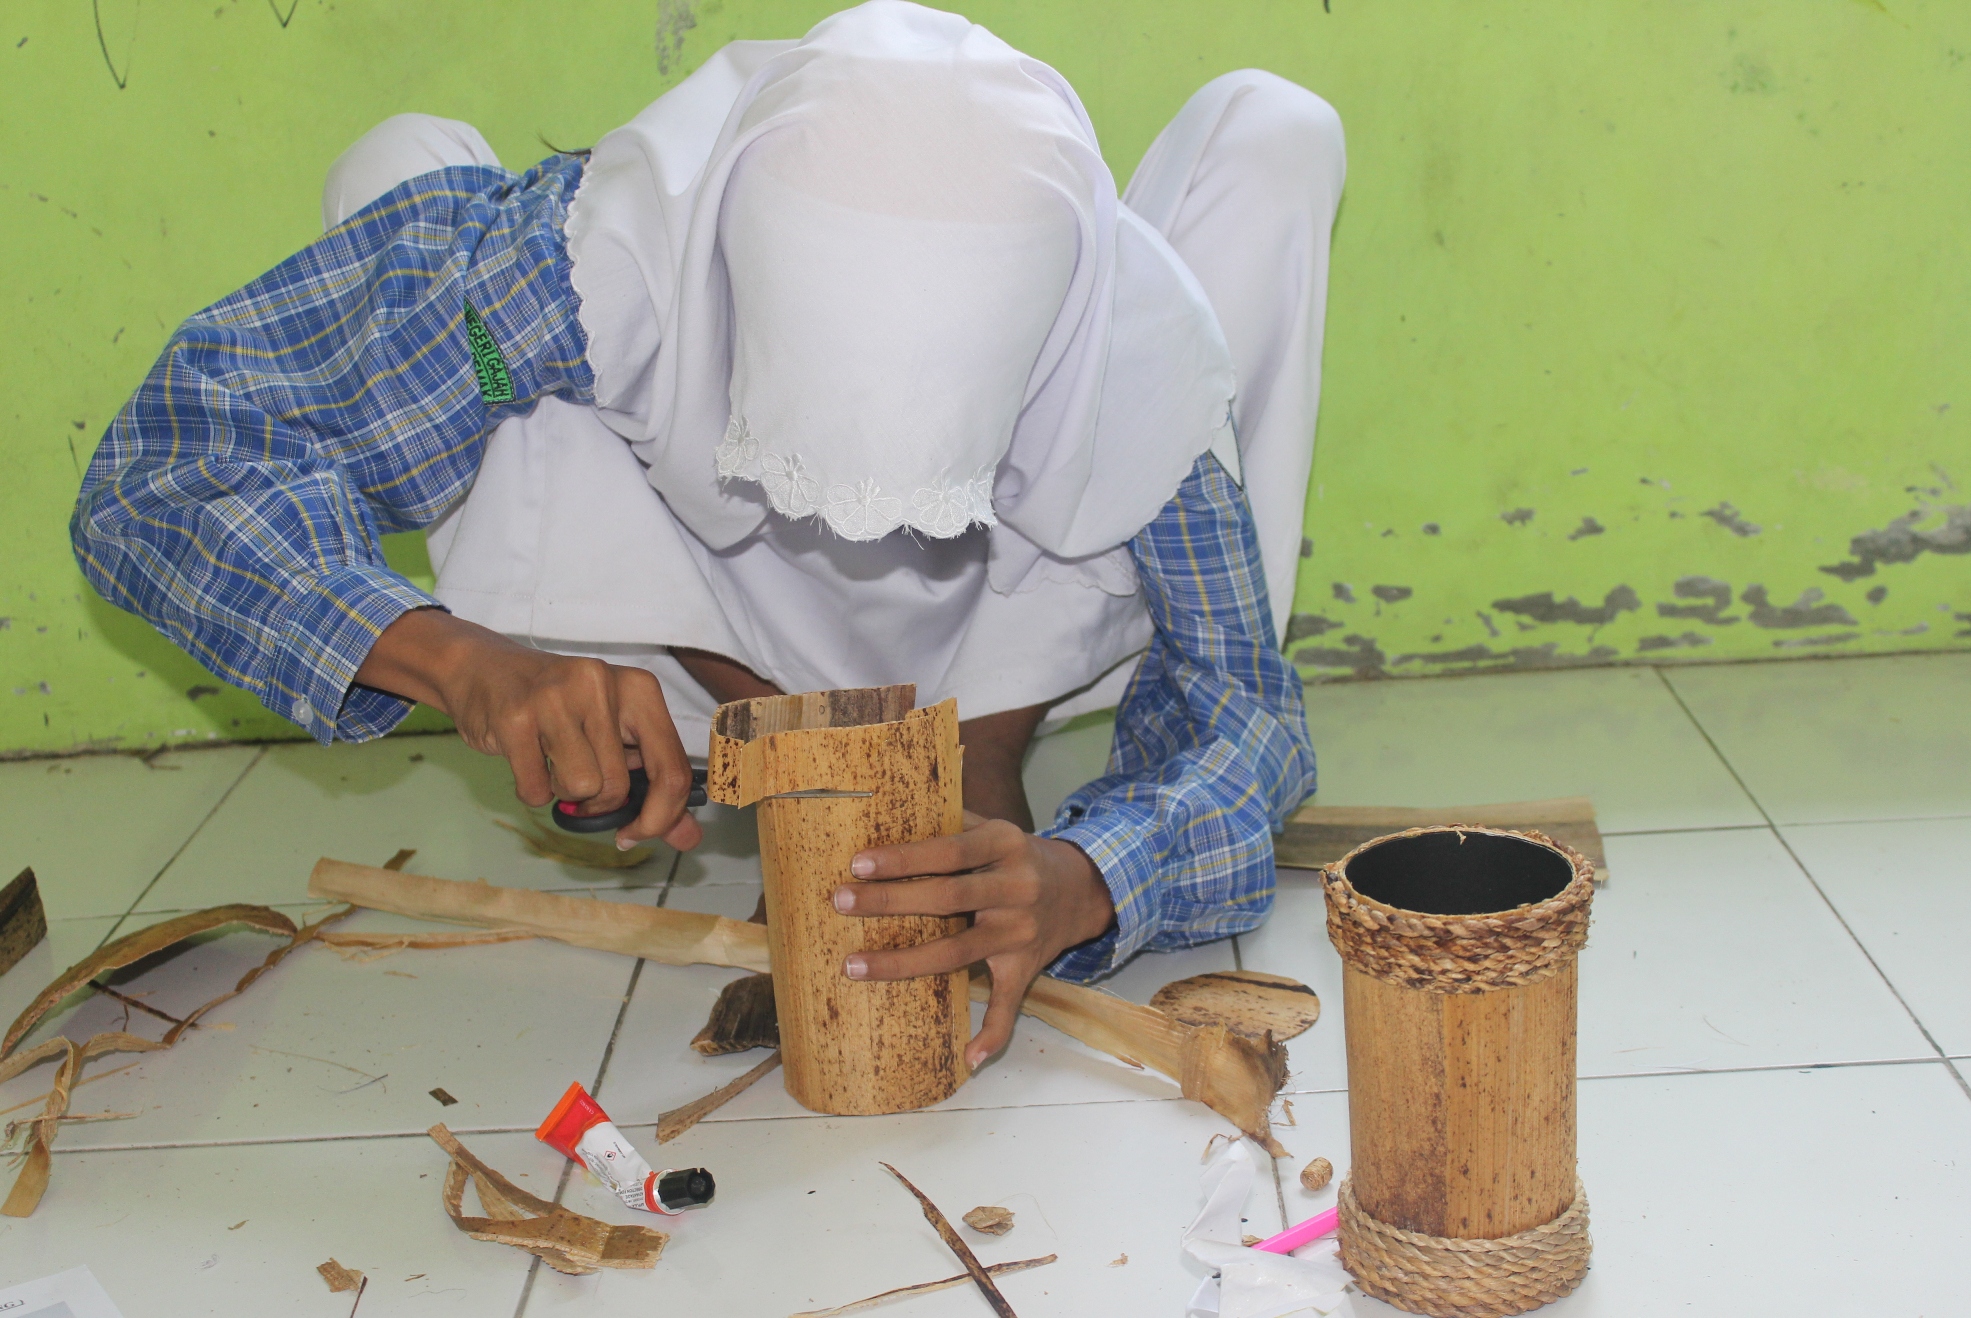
x: 237, y: 500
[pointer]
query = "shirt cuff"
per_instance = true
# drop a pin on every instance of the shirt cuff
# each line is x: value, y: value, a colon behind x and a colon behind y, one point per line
x: 1123, y: 848
x: 323, y: 633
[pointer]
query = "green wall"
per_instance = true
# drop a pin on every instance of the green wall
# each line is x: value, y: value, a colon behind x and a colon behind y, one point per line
x: 1644, y: 315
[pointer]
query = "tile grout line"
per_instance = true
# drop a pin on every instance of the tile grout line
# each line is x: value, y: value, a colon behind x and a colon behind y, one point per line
x: 601, y: 1070
x: 163, y: 869
x: 1942, y: 1055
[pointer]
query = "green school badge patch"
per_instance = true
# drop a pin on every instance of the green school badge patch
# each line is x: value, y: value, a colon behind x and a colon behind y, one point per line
x: 495, y: 383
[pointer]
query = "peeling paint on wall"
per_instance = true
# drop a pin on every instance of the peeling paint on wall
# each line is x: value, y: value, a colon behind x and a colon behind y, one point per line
x: 1901, y: 542
x: 1728, y: 517
x: 1545, y: 608
x: 1807, y: 611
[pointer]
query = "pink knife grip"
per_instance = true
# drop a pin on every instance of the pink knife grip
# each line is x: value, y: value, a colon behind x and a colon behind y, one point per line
x: 1295, y: 1236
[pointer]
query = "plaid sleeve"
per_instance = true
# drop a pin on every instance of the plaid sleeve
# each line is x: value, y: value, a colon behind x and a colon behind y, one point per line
x: 237, y: 499
x: 1211, y: 748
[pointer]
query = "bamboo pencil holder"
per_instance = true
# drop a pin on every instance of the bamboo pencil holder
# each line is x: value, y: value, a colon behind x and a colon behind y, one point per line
x: 835, y: 772
x: 1458, y: 947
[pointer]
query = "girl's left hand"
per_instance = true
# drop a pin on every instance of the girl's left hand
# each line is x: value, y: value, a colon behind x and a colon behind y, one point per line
x: 1030, y: 898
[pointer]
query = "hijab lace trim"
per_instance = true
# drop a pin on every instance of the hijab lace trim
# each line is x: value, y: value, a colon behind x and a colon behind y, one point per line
x: 862, y: 511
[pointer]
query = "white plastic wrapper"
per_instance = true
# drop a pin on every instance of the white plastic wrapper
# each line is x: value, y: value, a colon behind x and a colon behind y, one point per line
x: 1250, y: 1283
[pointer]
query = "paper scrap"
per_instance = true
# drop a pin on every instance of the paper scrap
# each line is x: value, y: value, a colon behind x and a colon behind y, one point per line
x: 72, y: 1294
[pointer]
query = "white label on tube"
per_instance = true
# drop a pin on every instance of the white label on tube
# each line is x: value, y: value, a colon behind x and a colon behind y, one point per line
x: 619, y: 1165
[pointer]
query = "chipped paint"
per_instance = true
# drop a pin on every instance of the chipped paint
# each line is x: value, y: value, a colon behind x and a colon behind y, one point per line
x: 1589, y: 526
x: 1543, y: 607
x: 1807, y: 611
x: 1728, y: 517
x: 1704, y: 588
x: 1901, y: 542
x: 1303, y: 625
x: 1517, y: 517
x: 1391, y: 594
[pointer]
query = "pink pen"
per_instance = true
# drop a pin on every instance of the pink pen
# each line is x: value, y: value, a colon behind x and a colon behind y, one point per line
x: 1295, y: 1236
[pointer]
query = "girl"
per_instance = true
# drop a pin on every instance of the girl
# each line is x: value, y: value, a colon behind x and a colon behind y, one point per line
x: 842, y: 364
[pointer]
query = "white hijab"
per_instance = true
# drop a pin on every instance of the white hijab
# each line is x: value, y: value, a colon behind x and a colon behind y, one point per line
x: 892, y: 287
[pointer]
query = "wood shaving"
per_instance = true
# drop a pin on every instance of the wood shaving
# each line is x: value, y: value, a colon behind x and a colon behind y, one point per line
x: 339, y: 1278
x: 994, y: 1270
x: 554, y: 844
x: 1316, y: 1174
x: 401, y: 859
x: 1120, y: 1261
x: 364, y: 948
x: 946, y: 1231
x: 444, y: 1099
x: 678, y: 1120
x: 565, y: 1240
x: 992, y: 1220
x: 1249, y: 1239
x: 1286, y: 1110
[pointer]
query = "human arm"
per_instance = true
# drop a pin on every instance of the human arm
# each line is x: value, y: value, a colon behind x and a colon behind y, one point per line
x: 1174, y: 845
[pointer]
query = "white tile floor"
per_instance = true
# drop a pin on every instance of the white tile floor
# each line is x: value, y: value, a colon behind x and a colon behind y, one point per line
x: 1774, y: 988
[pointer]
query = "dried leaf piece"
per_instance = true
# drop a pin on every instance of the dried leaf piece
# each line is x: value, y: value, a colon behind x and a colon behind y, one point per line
x: 678, y: 1120
x: 992, y: 1220
x: 1233, y: 1076
x: 1317, y: 1174
x: 339, y: 1278
x: 135, y: 947
x: 743, y: 1018
x: 1320, y: 835
x: 551, y: 844
x: 565, y: 1240
x: 925, y: 1288
x: 942, y: 1225
x: 672, y: 938
x: 23, y: 920
x: 1246, y: 1002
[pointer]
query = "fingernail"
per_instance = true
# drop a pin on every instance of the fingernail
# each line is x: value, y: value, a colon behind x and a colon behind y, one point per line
x: 623, y: 843
x: 844, y: 900
x: 856, y: 967
x: 972, y: 1060
x: 862, y: 866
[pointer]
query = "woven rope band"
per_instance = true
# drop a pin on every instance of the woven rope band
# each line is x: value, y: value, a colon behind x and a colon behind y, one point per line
x: 1450, y: 1278
x: 1460, y: 953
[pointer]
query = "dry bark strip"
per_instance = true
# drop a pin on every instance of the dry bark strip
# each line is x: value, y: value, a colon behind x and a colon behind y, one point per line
x: 680, y: 1119
x: 925, y: 1288
x: 743, y: 1018
x: 32, y: 1182
x: 1235, y: 1077
x: 135, y: 947
x: 23, y: 919
x: 949, y: 1233
x: 672, y: 938
x: 1251, y: 1003
x: 565, y: 1240
x: 364, y: 948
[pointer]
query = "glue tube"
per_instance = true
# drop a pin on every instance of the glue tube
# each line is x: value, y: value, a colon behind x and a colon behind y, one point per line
x: 579, y: 1129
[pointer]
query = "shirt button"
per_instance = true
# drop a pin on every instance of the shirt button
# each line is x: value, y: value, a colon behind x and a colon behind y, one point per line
x: 303, y: 712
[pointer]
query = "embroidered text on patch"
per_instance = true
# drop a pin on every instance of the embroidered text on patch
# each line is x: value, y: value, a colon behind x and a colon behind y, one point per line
x: 495, y: 384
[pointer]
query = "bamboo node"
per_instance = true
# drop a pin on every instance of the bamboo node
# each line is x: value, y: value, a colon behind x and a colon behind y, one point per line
x: 1465, y: 953
x: 1446, y: 1277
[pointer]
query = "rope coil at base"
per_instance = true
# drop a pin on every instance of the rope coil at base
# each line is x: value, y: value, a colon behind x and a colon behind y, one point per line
x: 1447, y: 1277
x: 1460, y: 953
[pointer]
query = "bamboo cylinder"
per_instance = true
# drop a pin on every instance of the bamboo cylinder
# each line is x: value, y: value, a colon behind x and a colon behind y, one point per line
x: 1459, y: 946
x: 836, y: 772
